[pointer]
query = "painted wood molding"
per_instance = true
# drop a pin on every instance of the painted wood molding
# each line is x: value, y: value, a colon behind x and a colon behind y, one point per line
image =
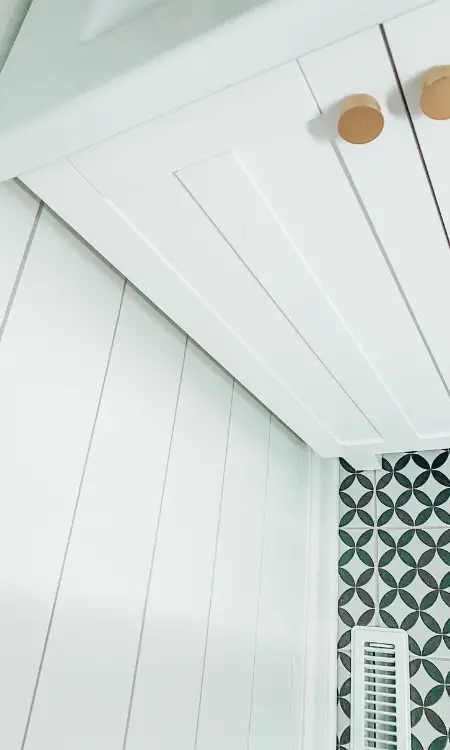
x: 48, y: 113
x: 319, y: 714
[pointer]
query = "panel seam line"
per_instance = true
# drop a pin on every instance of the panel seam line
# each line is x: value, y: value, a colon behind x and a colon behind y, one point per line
x: 152, y: 559
x: 205, y: 652
x: 380, y: 245
x: 21, y: 269
x: 261, y: 563
x: 74, y: 515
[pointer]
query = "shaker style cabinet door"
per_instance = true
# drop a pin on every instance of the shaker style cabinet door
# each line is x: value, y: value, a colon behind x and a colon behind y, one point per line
x: 419, y: 42
x: 306, y: 266
x: 101, y: 67
x: 239, y: 221
x: 408, y: 346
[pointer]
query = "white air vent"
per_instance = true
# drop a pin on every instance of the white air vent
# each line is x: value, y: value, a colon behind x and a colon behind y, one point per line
x: 380, y: 690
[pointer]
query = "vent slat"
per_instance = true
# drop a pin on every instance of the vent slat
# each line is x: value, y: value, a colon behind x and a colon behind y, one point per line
x: 380, y: 689
x: 381, y: 716
x: 379, y: 669
x: 384, y: 735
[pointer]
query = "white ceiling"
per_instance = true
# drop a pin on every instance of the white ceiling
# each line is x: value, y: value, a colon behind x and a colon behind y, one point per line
x: 12, y: 13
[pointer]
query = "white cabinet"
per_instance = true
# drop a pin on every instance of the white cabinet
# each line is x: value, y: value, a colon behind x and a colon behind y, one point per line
x: 400, y: 285
x: 314, y: 271
x: 100, y: 67
x: 419, y: 41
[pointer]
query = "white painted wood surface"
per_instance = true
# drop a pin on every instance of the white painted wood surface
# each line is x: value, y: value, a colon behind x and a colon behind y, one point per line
x: 79, y: 92
x: 53, y: 356
x: 167, y: 690
x: 18, y: 210
x: 318, y: 725
x: 12, y: 14
x: 288, y: 366
x: 84, y: 688
x: 282, y: 580
x: 104, y: 422
x: 391, y: 182
x: 227, y: 684
x: 420, y: 42
x: 285, y: 252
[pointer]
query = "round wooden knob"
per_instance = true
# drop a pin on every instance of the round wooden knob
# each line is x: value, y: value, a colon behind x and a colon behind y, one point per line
x: 435, y: 99
x: 361, y: 119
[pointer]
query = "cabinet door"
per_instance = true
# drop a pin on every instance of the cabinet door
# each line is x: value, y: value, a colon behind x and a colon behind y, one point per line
x: 420, y: 41
x: 101, y: 67
x: 239, y: 220
x: 389, y: 179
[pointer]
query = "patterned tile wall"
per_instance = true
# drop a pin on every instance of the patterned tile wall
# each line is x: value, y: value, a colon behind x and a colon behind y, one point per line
x: 394, y: 571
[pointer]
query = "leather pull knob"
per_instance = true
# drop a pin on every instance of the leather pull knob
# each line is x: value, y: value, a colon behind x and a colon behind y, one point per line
x: 435, y: 99
x: 361, y: 119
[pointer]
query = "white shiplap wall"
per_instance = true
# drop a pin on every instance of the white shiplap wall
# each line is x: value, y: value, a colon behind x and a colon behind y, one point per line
x: 154, y: 520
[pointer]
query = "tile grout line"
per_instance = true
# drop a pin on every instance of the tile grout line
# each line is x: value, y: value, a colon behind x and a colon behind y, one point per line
x: 442, y: 662
x: 72, y: 524
x: 152, y: 559
x: 423, y: 527
x: 21, y: 269
x: 211, y: 594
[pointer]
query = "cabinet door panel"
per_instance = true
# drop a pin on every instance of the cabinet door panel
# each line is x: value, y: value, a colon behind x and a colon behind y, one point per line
x: 389, y: 178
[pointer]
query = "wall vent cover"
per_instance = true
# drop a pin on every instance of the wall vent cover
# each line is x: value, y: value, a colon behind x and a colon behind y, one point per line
x: 380, y: 690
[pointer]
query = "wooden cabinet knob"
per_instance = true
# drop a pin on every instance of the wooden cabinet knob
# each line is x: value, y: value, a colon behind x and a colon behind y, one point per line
x: 435, y: 99
x: 361, y: 119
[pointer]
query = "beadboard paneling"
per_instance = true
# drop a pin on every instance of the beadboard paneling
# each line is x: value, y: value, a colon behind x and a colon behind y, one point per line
x: 167, y: 690
x: 53, y: 358
x: 155, y: 536
x: 85, y: 685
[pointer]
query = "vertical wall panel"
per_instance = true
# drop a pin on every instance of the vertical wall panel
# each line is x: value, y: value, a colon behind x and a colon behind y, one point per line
x: 221, y: 661
x: 227, y: 684
x: 18, y: 210
x: 283, y: 583
x: 85, y: 686
x: 167, y: 693
x: 306, y: 491
x: 53, y: 357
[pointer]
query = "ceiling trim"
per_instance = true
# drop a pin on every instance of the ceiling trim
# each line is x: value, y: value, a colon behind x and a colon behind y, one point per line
x: 60, y: 94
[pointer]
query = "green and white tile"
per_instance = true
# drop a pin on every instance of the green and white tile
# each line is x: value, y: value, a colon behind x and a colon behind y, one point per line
x: 414, y: 587
x: 356, y: 492
x: 343, y: 701
x: 400, y: 571
x: 357, y: 585
x: 430, y: 704
x: 413, y: 489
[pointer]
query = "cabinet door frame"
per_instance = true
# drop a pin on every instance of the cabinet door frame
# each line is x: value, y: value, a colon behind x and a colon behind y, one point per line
x: 63, y: 89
